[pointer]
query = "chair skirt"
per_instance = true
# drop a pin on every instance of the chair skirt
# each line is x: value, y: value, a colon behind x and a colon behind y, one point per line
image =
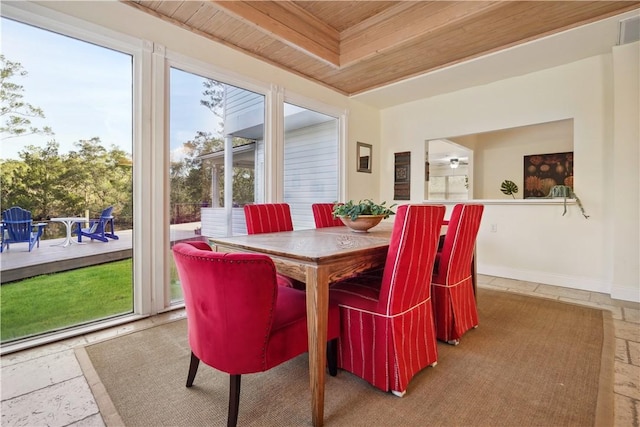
x: 455, y: 309
x: 410, y: 345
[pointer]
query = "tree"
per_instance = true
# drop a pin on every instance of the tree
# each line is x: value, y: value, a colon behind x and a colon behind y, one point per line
x: 98, y: 177
x: 38, y: 186
x: 11, y: 182
x: 215, y: 94
x: 190, y: 178
x: 15, y: 112
x: 50, y: 184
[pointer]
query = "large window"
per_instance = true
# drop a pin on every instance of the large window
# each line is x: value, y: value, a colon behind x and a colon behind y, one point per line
x: 66, y: 128
x: 209, y: 119
x: 452, y: 187
x: 176, y: 145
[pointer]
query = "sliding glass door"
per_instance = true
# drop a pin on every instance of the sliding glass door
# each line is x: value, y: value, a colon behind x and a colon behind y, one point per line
x: 67, y: 120
x: 96, y: 119
x: 217, y: 153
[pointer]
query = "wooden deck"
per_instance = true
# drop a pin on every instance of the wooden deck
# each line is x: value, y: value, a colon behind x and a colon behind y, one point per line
x: 18, y: 263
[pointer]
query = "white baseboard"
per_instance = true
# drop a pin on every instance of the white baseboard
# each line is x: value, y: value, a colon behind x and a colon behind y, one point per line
x: 625, y: 293
x: 536, y: 276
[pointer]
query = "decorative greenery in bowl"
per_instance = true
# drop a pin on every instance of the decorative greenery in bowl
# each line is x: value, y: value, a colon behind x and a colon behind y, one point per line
x: 353, y: 210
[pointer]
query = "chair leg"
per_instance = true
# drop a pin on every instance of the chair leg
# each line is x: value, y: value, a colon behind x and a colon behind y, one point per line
x: 234, y: 400
x: 332, y: 356
x: 193, y: 368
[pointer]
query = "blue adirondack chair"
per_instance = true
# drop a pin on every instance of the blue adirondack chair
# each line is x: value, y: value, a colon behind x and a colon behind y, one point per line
x: 99, y: 229
x: 17, y: 227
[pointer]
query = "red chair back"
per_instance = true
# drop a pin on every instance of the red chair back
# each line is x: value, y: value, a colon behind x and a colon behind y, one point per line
x: 229, y: 312
x: 323, y: 215
x: 454, y: 302
x: 409, y: 264
x: 387, y: 323
x: 268, y: 218
x: 455, y: 257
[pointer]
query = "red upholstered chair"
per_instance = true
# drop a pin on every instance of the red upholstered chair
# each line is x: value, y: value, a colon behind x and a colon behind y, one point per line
x: 454, y: 301
x: 323, y: 215
x: 387, y: 332
x: 271, y: 218
x: 268, y: 218
x: 239, y: 320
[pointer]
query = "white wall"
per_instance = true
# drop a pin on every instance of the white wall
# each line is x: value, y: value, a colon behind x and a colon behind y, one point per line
x: 535, y: 242
x: 364, y: 126
x: 624, y: 165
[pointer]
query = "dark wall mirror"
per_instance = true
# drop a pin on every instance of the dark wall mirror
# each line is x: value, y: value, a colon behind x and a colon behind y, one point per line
x: 363, y: 155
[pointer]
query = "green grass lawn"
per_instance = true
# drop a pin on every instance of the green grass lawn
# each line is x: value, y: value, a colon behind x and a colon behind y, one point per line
x: 54, y: 301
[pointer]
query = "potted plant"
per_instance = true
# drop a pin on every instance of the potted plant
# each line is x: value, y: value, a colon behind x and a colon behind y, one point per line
x: 363, y: 215
x: 565, y: 191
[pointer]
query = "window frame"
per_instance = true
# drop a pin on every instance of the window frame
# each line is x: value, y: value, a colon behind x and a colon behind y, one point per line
x: 151, y: 62
x: 65, y: 25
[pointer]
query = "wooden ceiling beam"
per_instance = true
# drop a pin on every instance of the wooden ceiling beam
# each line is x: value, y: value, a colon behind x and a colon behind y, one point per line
x: 404, y: 23
x: 290, y: 24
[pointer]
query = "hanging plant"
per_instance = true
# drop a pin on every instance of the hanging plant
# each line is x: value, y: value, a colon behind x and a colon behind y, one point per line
x: 509, y: 188
x: 566, y: 192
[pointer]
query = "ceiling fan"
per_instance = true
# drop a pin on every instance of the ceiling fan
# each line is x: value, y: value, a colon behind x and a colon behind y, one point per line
x: 455, y: 162
x: 452, y: 161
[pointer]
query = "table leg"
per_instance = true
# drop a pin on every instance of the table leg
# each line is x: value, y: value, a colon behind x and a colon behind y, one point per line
x: 67, y: 239
x: 67, y: 242
x: 317, y: 313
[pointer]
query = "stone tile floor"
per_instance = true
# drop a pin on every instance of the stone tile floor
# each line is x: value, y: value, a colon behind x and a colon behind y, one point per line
x: 44, y: 386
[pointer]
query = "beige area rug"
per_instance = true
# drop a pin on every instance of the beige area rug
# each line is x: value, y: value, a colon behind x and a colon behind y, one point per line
x: 531, y: 362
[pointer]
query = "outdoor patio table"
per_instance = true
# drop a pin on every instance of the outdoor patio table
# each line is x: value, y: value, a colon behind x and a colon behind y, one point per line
x: 68, y: 222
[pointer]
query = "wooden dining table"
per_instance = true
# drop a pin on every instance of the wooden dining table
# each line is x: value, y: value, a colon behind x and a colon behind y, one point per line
x: 316, y: 257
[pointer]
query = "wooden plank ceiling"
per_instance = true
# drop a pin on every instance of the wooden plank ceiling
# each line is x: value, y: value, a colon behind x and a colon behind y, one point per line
x: 355, y: 46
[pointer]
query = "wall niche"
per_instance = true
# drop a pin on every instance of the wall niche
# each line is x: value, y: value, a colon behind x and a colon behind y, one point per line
x: 498, y: 155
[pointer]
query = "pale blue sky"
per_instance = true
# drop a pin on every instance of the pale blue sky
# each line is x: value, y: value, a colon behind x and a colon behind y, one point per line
x: 85, y: 91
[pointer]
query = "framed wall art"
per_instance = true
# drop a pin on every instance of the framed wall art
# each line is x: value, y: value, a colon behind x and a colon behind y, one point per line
x: 543, y: 171
x: 402, y: 178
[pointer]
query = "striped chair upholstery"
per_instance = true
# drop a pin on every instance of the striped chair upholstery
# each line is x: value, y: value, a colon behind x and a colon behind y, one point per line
x: 323, y: 215
x: 271, y: 218
x: 387, y: 333
x: 268, y: 218
x: 454, y: 302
